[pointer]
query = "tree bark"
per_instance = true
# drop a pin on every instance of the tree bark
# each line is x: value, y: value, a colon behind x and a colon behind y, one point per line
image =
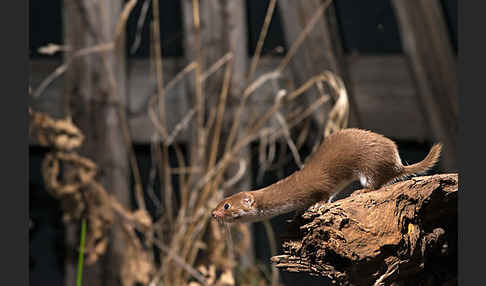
x: 403, y: 234
x: 91, y: 101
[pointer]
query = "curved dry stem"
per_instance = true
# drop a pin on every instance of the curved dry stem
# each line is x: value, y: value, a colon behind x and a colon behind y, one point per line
x: 261, y: 38
x: 239, y: 174
x: 216, y: 66
x: 246, y: 93
x: 273, y: 249
x: 120, y: 28
x: 153, y: 173
x: 290, y: 142
x: 200, y: 217
x: 60, y: 70
x: 219, y: 124
x: 140, y: 22
x: 165, y: 169
x: 179, y: 260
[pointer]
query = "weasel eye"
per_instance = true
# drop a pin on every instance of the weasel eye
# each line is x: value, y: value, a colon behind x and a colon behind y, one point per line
x: 226, y: 206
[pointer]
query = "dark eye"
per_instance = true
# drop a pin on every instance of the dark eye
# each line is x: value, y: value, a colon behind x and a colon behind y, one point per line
x: 226, y: 206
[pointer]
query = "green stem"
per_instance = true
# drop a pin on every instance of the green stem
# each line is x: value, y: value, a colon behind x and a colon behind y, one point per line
x: 81, y: 253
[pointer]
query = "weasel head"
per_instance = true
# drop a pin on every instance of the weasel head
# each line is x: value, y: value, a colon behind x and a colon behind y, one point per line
x: 239, y: 207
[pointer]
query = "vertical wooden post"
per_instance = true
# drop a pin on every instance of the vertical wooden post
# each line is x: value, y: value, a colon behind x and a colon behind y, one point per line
x: 91, y: 101
x: 427, y: 46
x: 222, y: 30
x: 321, y: 50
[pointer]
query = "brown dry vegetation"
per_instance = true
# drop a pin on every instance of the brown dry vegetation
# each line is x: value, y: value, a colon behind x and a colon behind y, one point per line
x: 193, y: 248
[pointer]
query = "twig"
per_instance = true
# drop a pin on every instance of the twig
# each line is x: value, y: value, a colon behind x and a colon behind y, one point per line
x: 273, y: 249
x: 62, y: 68
x: 198, y: 148
x: 185, y: 170
x: 306, y: 113
x: 261, y: 38
x: 389, y: 271
x: 153, y: 173
x: 290, y: 142
x: 216, y: 66
x: 190, y: 67
x: 247, y: 92
x: 51, y: 49
x: 199, y: 67
x: 219, y: 124
x: 307, y: 29
x: 265, y: 158
x: 140, y: 22
x: 180, y: 126
x: 168, y: 189
x: 233, y: 180
x: 128, y: 7
x: 120, y: 28
x: 179, y: 260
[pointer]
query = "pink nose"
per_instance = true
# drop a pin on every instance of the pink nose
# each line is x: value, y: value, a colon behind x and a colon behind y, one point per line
x: 217, y: 214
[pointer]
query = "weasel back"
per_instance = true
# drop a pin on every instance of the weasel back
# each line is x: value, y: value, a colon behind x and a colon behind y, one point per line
x: 355, y: 154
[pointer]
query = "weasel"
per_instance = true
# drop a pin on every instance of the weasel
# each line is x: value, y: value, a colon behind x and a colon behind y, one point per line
x: 345, y: 156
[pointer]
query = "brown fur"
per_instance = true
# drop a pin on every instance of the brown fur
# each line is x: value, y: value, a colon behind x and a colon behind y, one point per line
x: 345, y: 156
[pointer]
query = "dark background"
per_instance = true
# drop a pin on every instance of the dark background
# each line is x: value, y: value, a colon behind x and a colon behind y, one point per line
x: 365, y: 29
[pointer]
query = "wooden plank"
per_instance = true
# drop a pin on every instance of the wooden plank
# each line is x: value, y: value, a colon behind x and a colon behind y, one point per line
x: 90, y: 98
x: 384, y: 91
x: 386, y: 96
x: 429, y: 52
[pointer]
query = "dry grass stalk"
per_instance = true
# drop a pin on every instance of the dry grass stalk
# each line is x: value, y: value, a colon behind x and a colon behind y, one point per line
x: 140, y: 22
x: 223, y: 163
x: 164, y: 154
x: 60, y: 70
x: 290, y: 142
x: 305, y: 32
x: 273, y: 250
x: 219, y: 124
x: 199, y: 194
x: 261, y: 38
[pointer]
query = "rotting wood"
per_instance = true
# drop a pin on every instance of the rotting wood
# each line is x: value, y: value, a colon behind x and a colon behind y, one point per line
x: 404, y: 233
x: 426, y: 43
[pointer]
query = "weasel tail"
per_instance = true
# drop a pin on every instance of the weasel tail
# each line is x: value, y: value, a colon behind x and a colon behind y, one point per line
x: 428, y: 162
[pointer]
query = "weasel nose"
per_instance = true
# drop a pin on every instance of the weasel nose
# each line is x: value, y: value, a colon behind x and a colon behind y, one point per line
x: 217, y: 214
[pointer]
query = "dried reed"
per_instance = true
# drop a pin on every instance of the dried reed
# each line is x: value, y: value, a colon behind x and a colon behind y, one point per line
x: 180, y: 234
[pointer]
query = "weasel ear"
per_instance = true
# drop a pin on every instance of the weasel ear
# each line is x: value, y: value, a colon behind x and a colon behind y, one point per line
x: 249, y: 200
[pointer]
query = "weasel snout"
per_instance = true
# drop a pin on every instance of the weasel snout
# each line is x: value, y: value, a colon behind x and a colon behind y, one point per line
x: 217, y: 214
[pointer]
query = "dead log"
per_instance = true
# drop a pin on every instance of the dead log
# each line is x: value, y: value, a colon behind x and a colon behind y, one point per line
x: 402, y: 234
